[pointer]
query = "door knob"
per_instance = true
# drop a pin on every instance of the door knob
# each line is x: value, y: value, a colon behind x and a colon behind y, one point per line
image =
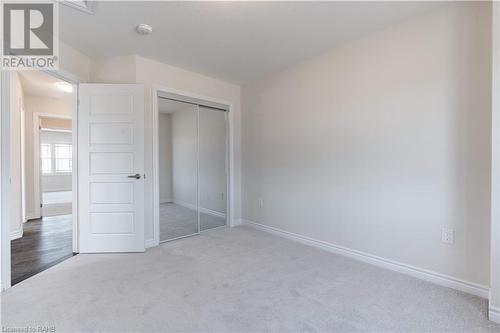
x: 136, y: 176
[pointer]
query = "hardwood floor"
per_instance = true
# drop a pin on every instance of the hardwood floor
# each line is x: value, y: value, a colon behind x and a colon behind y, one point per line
x: 45, y: 242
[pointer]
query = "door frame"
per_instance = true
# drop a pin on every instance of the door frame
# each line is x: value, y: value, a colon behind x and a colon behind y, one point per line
x: 192, y: 98
x: 494, y: 295
x: 5, y: 82
x: 37, y: 177
x: 24, y: 217
x: 4, y: 179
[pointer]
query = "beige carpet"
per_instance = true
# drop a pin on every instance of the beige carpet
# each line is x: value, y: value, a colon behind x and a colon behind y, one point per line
x: 236, y: 280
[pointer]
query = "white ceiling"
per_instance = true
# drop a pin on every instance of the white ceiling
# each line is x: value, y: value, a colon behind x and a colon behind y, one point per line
x: 171, y: 106
x: 40, y: 84
x: 235, y: 41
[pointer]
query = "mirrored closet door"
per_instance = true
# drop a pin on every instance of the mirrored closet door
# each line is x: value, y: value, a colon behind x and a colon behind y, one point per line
x: 178, y: 169
x: 212, y: 167
x: 192, y: 168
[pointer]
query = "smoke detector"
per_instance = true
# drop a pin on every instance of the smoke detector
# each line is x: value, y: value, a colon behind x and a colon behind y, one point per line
x: 144, y: 29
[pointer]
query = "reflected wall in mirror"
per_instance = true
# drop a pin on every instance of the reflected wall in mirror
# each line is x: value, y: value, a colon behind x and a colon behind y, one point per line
x: 178, y: 169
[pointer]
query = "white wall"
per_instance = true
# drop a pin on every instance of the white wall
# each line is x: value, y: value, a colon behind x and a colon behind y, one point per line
x: 178, y: 160
x: 73, y: 62
x: 165, y: 156
x: 56, y: 182
x: 494, y: 304
x: 380, y: 143
x: 119, y: 69
x: 15, y: 204
x: 42, y: 105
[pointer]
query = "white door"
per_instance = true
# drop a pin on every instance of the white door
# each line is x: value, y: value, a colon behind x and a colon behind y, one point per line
x: 111, y: 168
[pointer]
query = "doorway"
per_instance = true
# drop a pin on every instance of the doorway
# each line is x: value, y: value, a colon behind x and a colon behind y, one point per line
x: 44, y: 231
x: 192, y: 168
x: 112, y: 217
x: 55, y: 149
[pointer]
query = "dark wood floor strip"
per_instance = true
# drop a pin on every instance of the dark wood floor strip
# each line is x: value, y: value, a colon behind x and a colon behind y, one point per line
x: 45, y: 242
x: 39, y: 270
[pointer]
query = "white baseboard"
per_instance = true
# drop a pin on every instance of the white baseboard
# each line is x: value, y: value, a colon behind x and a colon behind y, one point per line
x: 494, y: 314
x: 62, y: 189
x: 165, y: 200
x: 16, y: 234
x: 237, y: 222
x: 420, y: 273
x: 202, y: 209
x: 212, y: 212
x: 150, y: 243
x: 184, y: 204
x: 31, y: 216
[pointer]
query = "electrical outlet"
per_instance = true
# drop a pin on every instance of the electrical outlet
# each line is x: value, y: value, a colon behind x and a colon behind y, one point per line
x: 448, y: 235
x: 261, y: 203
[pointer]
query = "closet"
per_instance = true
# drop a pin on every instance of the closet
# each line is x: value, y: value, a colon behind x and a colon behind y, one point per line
x: 192, y: 168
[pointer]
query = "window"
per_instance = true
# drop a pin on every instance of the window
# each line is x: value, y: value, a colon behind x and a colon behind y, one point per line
x: 63, y: 157
x: 46, y: 156
x: 56, y: 158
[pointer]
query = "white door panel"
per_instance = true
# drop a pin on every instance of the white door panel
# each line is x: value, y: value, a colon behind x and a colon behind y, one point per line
x: 111, y: 152
x: 111, y: 163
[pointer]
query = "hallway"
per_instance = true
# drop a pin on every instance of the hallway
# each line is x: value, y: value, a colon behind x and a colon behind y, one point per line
x: 45, y: 242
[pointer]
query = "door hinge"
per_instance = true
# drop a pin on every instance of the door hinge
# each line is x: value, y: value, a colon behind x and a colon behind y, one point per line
x: 144, y: 176
x: 41, y: 205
